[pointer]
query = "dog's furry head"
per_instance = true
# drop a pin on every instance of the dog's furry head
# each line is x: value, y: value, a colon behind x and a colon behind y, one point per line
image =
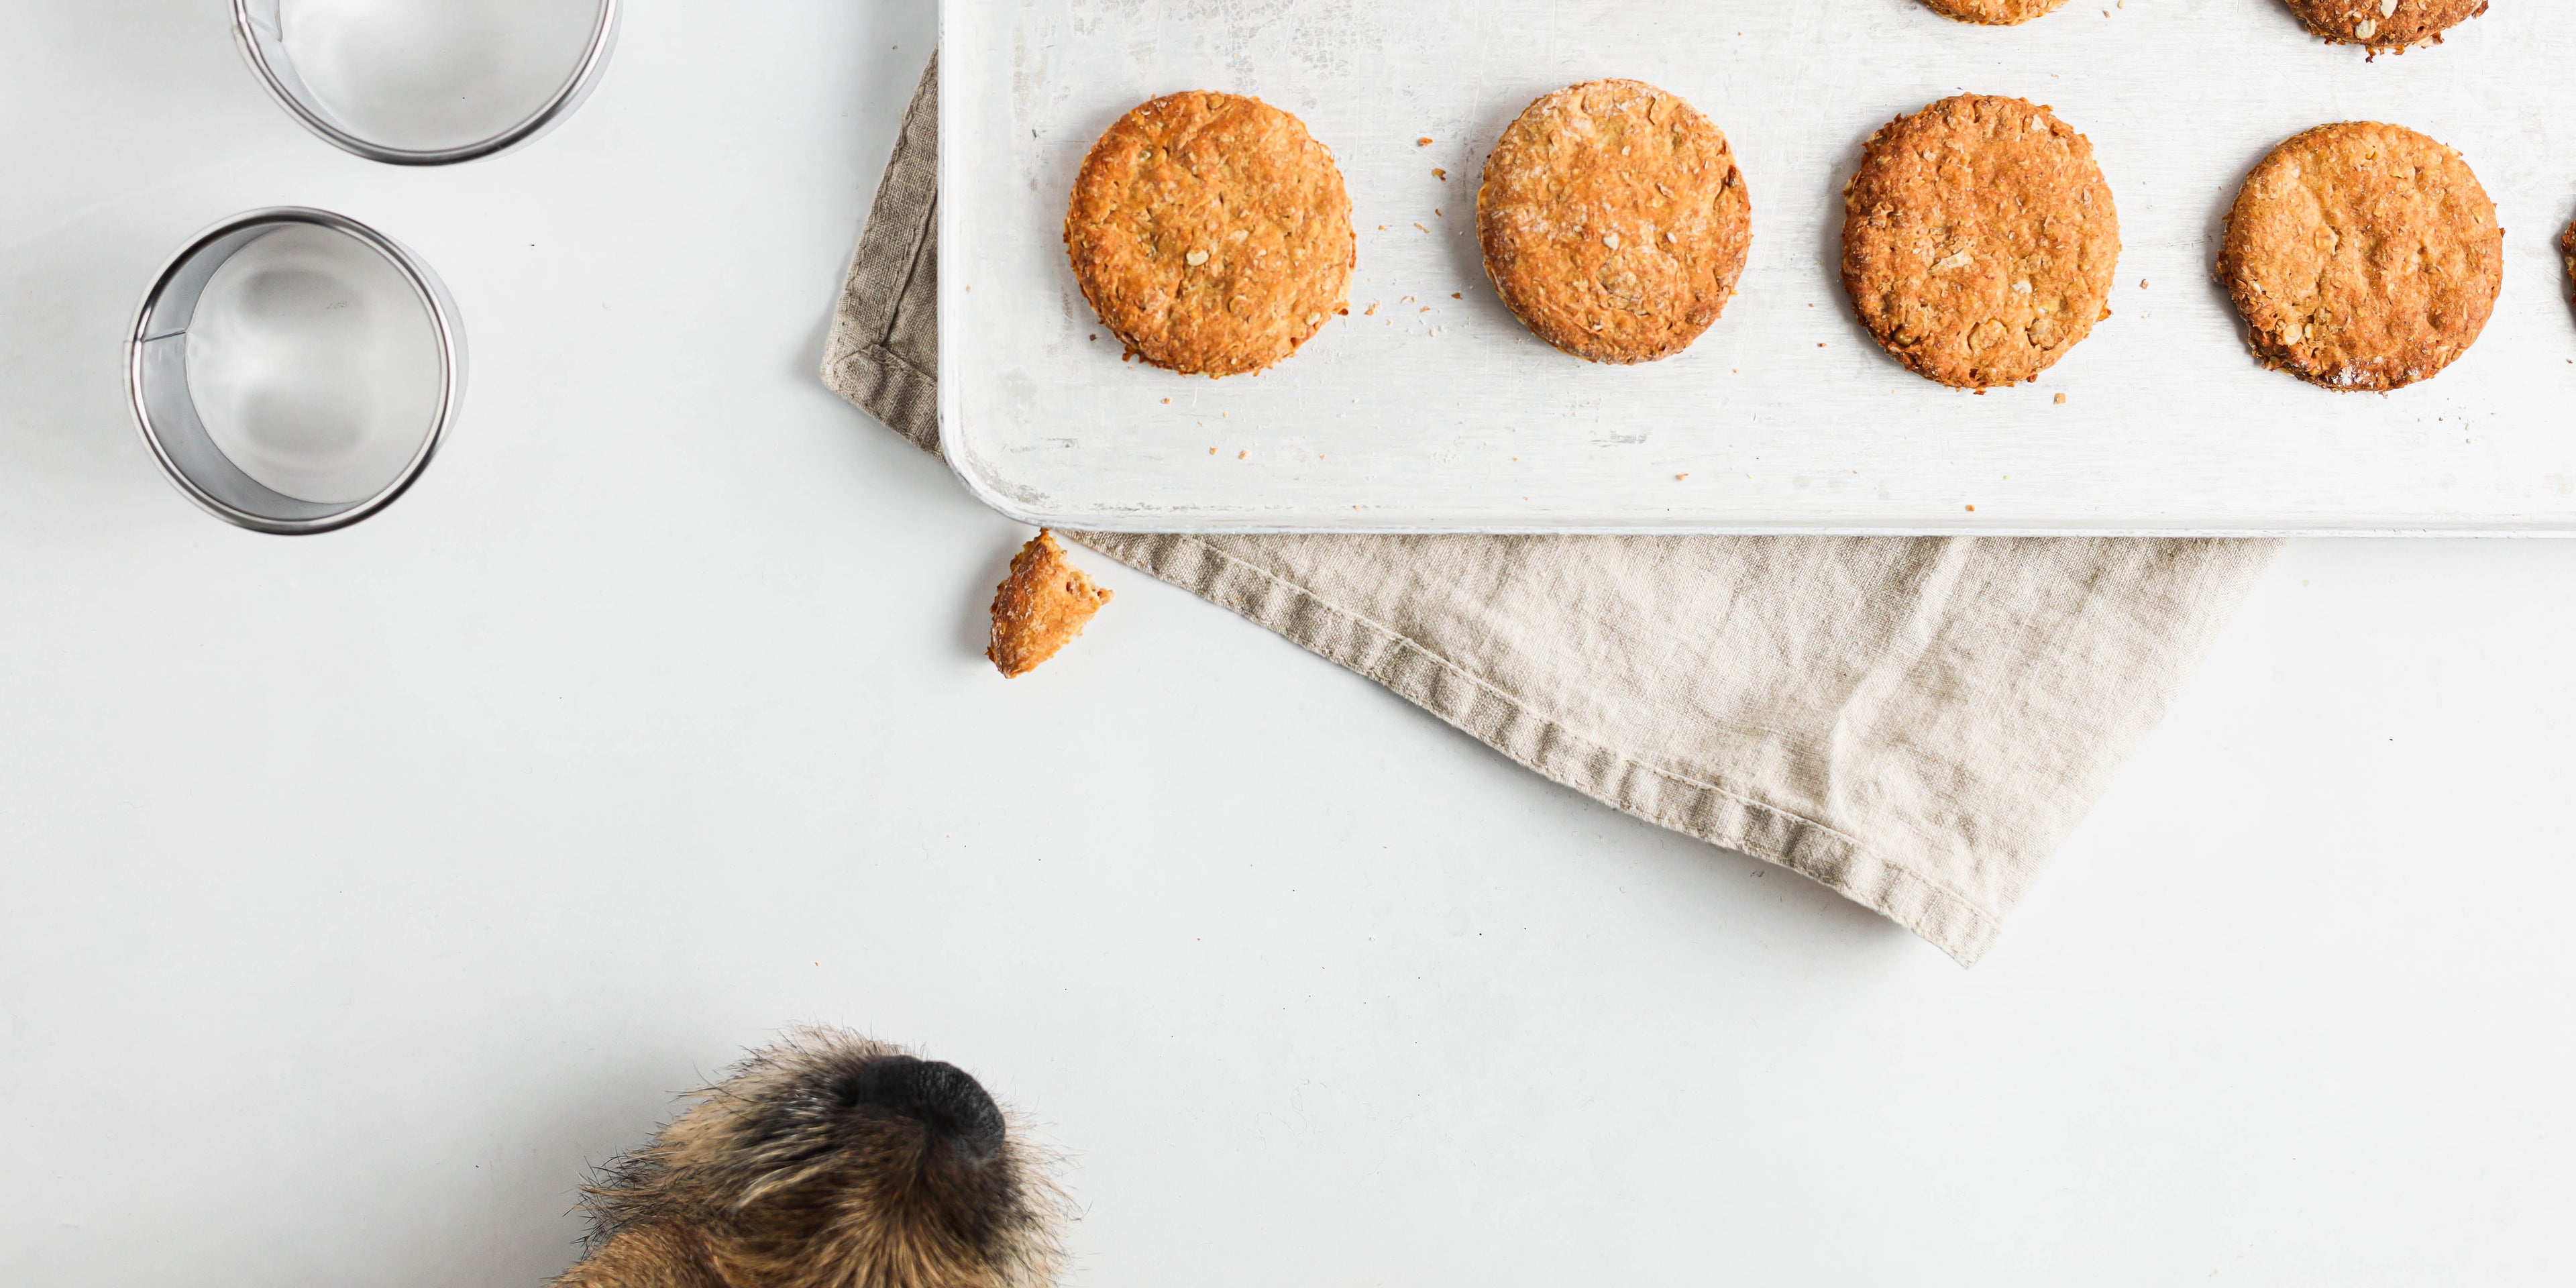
x: 828, y: 1161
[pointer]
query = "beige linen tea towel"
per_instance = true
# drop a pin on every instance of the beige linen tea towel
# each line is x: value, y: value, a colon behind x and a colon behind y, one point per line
x: 1917, y: 723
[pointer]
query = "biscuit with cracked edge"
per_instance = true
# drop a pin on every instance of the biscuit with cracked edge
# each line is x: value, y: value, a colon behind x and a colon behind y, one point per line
x: 1979, y: 240
x: 1993, y: 13
x: 2362, y: 256
x: 1211, y: 233
x: 1614, y: 221
x: 2385, y: 26
x: 1040, y: 607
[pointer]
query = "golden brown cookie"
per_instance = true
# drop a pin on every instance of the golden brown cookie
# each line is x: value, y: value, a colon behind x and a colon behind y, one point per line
x: 1040, y: 607
x: 1614, y: 221
x: 1979, y: 240
x: 2385, y: 26
x: 1211, y: 233
x: 2567, y: 249
x: 1993, y: 13
x: 2362, y: 256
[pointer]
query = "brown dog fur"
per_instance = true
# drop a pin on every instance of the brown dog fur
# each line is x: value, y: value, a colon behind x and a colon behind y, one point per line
x: 828, y: 1161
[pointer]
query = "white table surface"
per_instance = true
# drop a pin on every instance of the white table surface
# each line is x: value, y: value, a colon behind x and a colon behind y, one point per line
x: 357, y: 891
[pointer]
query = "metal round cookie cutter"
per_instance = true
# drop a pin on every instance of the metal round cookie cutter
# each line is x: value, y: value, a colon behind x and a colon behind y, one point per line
x: 167, y: 412
x: 258, y: 27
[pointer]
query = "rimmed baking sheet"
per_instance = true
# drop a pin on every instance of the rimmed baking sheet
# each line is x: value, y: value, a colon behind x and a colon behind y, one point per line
x: 1439, y: 412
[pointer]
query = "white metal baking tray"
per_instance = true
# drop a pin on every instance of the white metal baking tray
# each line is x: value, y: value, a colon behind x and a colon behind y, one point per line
x: 1439, y: 412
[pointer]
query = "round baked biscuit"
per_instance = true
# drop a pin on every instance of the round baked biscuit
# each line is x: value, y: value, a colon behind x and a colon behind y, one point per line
x: 2362, y: 256
x: 1211, y: 233
x: 1614, y: 221
x: 2567, y: 250
x: 1993, y: 13
x: 2385, y: 26
x: 1979, y: 240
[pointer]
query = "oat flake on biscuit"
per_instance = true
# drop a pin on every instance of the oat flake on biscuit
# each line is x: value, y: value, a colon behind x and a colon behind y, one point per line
x: 2362, y: 256
x: 1614, y: 221
x: 1212, y: 233
x: 1979, y: 240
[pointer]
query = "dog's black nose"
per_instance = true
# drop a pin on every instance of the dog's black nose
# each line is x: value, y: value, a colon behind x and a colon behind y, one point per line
x: 938, y: 1095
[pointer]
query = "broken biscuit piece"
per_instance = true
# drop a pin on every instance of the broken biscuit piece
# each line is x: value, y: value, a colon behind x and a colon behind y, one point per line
x: 1040, y: 607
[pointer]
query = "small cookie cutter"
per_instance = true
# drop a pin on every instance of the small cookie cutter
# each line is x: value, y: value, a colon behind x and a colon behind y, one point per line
x: 156, y: 374
x: 263, y: 42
